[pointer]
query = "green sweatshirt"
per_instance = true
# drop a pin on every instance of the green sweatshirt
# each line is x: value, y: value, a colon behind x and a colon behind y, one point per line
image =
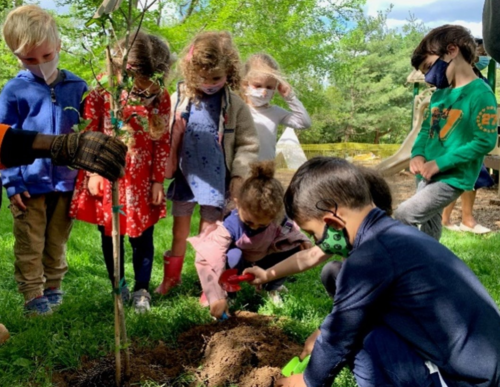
x: 459, y: 129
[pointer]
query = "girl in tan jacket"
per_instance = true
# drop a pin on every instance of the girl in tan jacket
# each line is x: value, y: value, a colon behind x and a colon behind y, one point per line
x: 213, y: 141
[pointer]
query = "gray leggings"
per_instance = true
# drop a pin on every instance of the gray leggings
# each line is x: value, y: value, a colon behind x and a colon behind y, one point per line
x: 425, y: 208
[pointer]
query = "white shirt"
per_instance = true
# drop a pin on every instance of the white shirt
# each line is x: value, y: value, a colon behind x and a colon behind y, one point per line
x: 267, y: 119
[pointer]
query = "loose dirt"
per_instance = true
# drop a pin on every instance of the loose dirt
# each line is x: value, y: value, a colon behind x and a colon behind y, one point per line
x: 246, y: 351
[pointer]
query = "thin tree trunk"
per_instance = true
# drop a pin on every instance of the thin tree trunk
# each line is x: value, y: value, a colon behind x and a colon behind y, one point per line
x: 118, y: 297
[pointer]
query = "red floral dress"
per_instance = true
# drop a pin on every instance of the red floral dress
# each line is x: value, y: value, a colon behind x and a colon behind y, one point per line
x: 146, y: 163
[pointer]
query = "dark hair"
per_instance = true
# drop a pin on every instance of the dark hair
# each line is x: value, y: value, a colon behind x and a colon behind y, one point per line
x: 149, y: 57
x: 436, y: 42
x: 261, y: 193
x: 379, y: 189
x: 334, y: 181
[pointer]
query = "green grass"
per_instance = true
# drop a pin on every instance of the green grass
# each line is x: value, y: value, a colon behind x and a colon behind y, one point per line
x: 84, y: 323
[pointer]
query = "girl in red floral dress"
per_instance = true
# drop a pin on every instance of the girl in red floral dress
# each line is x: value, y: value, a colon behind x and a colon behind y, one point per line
x: 145, y: 117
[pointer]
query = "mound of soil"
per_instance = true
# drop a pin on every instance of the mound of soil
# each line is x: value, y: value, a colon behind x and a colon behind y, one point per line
x: 245, y: 351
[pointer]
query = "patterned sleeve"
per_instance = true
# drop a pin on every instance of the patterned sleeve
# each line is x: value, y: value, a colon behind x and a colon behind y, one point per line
x: 94, y: 110
x: 161, y: 147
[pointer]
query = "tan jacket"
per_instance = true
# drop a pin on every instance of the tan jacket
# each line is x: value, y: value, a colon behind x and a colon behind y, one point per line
x: 236, y: 130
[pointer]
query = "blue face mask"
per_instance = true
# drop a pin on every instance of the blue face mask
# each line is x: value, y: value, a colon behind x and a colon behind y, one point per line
x: 436, y: 75
x: 483, y: 62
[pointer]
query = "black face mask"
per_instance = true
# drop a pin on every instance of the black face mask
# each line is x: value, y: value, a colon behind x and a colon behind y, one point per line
x: 436, y: 75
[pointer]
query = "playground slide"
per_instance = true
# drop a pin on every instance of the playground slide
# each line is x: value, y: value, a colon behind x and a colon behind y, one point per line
x: 401, y: 159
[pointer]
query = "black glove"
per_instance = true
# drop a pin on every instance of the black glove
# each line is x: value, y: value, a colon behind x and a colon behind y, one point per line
x: 92, y: 151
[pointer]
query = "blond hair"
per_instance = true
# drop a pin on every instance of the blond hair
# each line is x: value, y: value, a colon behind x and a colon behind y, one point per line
x: 261, y: 64
x: 210, y: 51
x: 148, y: 58
x: 28, y: 27
x: 262, y: 193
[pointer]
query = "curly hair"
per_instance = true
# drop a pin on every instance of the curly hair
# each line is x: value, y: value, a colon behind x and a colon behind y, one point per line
x: 148, y: 58
x: 261, y: 193
x: 211, y: 50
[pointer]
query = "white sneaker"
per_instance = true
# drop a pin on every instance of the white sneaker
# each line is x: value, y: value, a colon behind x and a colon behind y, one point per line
x: 141, y: 300
x: 477, y: 229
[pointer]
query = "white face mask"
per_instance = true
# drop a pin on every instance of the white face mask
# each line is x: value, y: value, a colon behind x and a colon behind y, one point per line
x: 259, y: 97
x: 44, y: 70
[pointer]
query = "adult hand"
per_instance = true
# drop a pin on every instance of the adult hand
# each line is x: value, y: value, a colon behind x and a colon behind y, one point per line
x: 416, y: 164
x: 92, y: 151
x: 96, y: 185
x: 157, y: 193
x: 17, y: 200
x: 292, y: 381
x: 309, y: 344
x: 429, y: 169
x: 259, y: 273
x: 218, y: 308
x: 284, y: 89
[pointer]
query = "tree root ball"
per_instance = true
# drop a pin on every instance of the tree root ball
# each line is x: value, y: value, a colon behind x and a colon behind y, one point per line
x: 4, y: 334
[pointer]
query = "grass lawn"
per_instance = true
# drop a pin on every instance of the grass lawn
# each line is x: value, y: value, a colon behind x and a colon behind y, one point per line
x: 83, y: 326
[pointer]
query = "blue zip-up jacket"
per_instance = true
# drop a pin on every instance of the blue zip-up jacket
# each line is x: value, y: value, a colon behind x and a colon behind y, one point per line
x: 402, y: 279
x: 28, y: 102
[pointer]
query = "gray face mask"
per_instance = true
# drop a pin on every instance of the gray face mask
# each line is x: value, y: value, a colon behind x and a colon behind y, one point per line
x: 44, y: 70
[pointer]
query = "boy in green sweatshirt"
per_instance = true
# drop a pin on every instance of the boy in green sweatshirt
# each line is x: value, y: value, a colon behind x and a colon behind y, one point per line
x: 459, y: 128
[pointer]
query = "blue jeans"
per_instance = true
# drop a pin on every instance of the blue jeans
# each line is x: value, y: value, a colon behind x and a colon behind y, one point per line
x: 142, y: 257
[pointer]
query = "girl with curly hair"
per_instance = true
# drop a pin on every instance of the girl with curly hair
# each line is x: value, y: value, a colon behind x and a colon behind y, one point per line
x: 256, y: 233
x: 213, y: 141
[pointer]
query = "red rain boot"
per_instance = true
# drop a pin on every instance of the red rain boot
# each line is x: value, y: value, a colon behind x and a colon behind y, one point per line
x: 172, y: 268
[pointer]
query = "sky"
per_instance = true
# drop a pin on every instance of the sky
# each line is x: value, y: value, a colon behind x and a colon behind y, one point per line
x: 432, y: 12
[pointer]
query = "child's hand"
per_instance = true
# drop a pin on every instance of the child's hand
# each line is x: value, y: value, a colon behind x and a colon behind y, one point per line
x: 429, y: 169
x: 309, y: 344
x: 306, y: 245
x: 284, y: 89
x: 292, y: 381
x: 259, y: 273
x: 17, y: 200
x: 157, y: 193
x: 96, y: 185
x: 235, y: 186
x: 218, y: 308
x: 416, y: 164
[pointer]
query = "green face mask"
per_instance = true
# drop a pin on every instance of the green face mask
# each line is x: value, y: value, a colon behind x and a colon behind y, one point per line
x: 334, y: 242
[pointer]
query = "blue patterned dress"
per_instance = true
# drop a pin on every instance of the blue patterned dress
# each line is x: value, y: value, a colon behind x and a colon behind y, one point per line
x: 202, y: 171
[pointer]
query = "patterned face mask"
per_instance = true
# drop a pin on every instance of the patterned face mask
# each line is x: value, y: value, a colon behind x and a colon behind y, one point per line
x: 334, y: 242
x: 212, y: 89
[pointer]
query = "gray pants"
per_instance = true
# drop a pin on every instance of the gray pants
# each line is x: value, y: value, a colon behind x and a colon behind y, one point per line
x: 426, y: 206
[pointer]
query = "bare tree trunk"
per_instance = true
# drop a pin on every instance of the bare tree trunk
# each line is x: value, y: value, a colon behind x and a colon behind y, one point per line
x: 192, y: 6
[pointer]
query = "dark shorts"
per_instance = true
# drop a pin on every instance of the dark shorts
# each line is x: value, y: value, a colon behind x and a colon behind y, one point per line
x: 484, y: 179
